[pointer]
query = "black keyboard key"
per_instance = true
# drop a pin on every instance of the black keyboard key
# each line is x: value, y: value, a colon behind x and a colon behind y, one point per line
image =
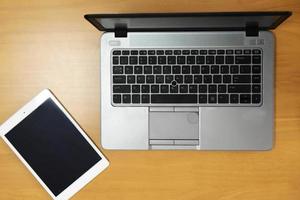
x: 160, y: 52
x: 145, y: 88
x: 145, y: 98
x: 115, y: 60
x: 256, y: 59
x: 149, y: 79
x: 198, y: 79
x: 215, y: 69
x: 212, y: 89
x: 221, y: 88
x: 241, y: 78
x: 167, y: 69
x: 164, y: 88
x: 169, y: 78
x: 221, y: 51
x: 171, y: 59
x: 226, y: 78
x: 217, y: 78
x: 162, y: 59
x: 168, y: 52
x: 143, y: 52
x: 256, y: 51
x: 204, y: 69
x: 117, y: 69
x: 238, y: 51
x: 157, y: 70
x: 133, y: 60
x: 203, y: 52
x: 256, y: 79
x: 190, y: 59
x: 136, y: 88
x: 186, y: 69
x: 151, y: 52
x: 185, y: 52
x: 138, y: 69
x: 234, y: 98
x: 136, y: 98
x: 117, y: 98
x: 143, y: 60
x: 131, y: 79
x: 195, y: 69
x: 212, y: 98
x: 234, y: 69
x: 245, y: 98
x: 177, y: 52
x: 203, y: 98
x: 242, y: 59
x: 178, y: 98
x: 125, y: 52
x: 152, y: 60
x: 219, y: 59
x: 176, y: 69
x: 134, y: 52
x: 159, y: 79
x: 202, y: 88
x: 116, y: 52
x: 210, y: 60
x: 183, y: 88
x: 126, y: 98
x: 256, y: 89
x: 154, y: 88
x: 212, y: 51
x: 123, y: 60
x: 200, y: 59
x: 121, y: 88
x: 239, y: 88
x: 207, y: 78
x: 179, y: 78
x: 180, y: 59
x: 245, y: 69
x: 224, y: 69
x: 174, y: 89
x: 194, y: 52
x: 229, y: 59
x: 247, y: 51
x: 147, y: 69
x: 128, y: 70
x: 223, y: 98
x: 256, y: 69
x: 193, y: 89
x: 256, y: 98
x: 119, y: 79
x: 229, y: 51
x: 140, y: 79
x: 188, y: 79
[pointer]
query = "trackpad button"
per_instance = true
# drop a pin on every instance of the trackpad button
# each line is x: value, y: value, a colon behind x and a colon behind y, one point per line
x: 174, y: 125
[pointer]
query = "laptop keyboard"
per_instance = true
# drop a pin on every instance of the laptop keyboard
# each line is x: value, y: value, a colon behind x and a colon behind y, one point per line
x: 192, y: 77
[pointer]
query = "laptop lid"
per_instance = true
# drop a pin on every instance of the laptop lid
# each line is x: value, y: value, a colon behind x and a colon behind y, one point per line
x: 213, y: 21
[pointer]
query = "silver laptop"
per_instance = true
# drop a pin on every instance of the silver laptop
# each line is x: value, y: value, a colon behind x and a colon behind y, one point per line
x: 202, y: 81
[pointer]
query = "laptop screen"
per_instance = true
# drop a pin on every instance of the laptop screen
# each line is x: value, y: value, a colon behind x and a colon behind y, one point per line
x: 188, y: 21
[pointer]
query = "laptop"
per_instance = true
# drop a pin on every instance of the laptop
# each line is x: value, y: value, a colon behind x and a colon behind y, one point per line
x: 198, y: 81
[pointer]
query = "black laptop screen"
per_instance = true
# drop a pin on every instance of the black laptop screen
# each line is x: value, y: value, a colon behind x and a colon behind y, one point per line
x: 188, y: 21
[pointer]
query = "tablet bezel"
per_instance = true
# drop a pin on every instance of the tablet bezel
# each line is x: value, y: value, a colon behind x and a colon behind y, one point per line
x: 26, y: 110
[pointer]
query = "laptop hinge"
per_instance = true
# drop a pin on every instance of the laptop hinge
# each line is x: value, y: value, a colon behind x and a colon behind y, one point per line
x: 120, y: 32
x: 252, y: 29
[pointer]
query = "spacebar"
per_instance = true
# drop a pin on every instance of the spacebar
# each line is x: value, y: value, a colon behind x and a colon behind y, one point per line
x: 173, y: 98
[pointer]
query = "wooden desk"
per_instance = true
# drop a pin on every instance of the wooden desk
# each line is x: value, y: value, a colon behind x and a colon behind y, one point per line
x: 48, y: 44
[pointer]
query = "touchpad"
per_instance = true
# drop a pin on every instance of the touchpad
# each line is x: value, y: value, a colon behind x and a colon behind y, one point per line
x: 174, y: 125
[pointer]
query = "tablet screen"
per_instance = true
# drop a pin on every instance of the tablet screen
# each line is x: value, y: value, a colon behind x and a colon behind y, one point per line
x: 53, y: 147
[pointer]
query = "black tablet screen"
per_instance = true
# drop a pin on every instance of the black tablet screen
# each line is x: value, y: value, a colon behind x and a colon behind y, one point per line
x: 53, y: 147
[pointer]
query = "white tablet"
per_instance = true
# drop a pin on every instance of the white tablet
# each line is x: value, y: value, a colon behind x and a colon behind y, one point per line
x: 53, y: 146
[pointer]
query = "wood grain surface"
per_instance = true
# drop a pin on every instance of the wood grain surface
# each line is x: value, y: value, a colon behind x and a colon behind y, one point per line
x: 48, y: 44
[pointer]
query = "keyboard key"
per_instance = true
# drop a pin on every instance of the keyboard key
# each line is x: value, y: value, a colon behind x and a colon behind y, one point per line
x: 212, y: 98
x: 212, y: 51
x: 200, y: 59
x: 145, y: 98
x: 214, y: 69
x: 121, y: 88
x: 138, y: 69
x: 193, y: 88
x: 115, y: 60
x: 186, y: 69
x: 176, y: 69
x: 136, y: 89
x: 220, y: 51
x: 194, y: 52
x: 212, y: 89
x: 160, y: 52
x: 134, y: 52
x: 247, y: 51
x: 168, y: 52
x: 151, y: 52
x: 152, y: 60
x: 177, y: 52
x: 117, y: 69
x: 147, y: 69
x: 224, y: 69
x: 169, y: 78
x: 210, y: 60
x: 245, y: 98
x: 203, y: 52
x: 130, y: 79
x: 167, y: 69
x: 143, y: 60
x: 178, y: 98
x: 116, y: 52
x: 180, y: 59
x: 154, y: 88
x: 229, y: 51
x: 256, y: 69
x: 245, y: 69
x: 119, y: 79
x: 195, y: 69
x: 157, y: 70
x: 229, y: 59
x: 207, y: 78
x: 140, y: 79
x: 197, y: 79
x: 164, y: 89
x: 125, y: 52
x: 185, y: 52
x: 143, y: 52
x: 219, y: 59
x: 217, y: 78
x: 123, y: 60
x: 117, y: 98
x: 221, y: 88
x: 174, y: 89
x: 149, y: 79
x: 202, y: 88
x: 256, y: 89
x: 188, y: 79
x: 241, y: 78
x: 234, y: 69
x: 256, y: 51
x: 256, y: 98
x: 190, y: 60
x: 223, y: 98
x: 256, y: 59
x: 179, y: 78
x: 145, y: 88
x: 183, y: 88
x: 126, y: 98
x: 242, y: 59
x: 238, y: 51
x: 162, y: 59
x: 256, y: 79
x: 204, y: 69
x: 133, y: 60
x: 234, y: 98
x: 159, y: 79
x: 128, y: 70
x: 171, y: 60
x: 239, y: 88
x: 226, y: 78
x: 203, y: 98
x: 136, y: 98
